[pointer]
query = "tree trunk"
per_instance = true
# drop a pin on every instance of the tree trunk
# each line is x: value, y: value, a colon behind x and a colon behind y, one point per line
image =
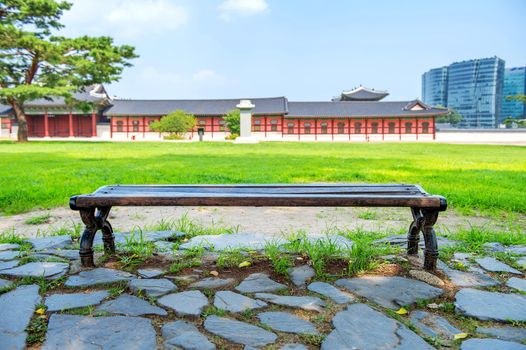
x: 22, y: 121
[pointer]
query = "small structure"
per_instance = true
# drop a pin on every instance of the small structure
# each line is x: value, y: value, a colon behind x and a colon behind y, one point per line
x: 245, y: 122
x: 361, y: 93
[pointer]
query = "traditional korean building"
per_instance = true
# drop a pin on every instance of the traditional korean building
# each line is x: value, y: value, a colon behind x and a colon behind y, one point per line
x: 356, y: 115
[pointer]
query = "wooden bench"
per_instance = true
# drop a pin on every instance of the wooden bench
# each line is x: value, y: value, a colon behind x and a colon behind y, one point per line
x: 95, y: 207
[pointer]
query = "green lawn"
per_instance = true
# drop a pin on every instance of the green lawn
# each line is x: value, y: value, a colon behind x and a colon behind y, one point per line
x: 45, y: 174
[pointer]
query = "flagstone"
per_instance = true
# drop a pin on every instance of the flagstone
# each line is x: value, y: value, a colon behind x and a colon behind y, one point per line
x: 286, y: 322
x: 239, y: 332
x: 52, y: 242
x: 304, y: 302
x: 390, y: 292
x: 329, y: 291
x: 234, y: 302
x: 152, y: 287
x: 59, y: 302
x: 98, y: 276
x: 115, y: 332
x: 188, y: 303
x: 487, y: 306
x: 259, y: 282
x: 45, y: 269
x: 183, y: 335
x: 130, y: 305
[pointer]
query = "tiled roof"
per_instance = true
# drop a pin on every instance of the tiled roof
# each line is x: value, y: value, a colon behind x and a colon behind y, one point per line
x: 363, y: 94
x: 360, y: 109
x: 94, y: 93
x: 272, y: 105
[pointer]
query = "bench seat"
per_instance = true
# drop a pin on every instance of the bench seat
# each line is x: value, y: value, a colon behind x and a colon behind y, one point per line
x: 94, y: 208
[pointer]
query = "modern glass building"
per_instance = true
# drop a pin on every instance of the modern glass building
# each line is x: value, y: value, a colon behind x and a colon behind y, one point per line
x: 514, y: 84
x: 475, y: 91
x: 434, y: 86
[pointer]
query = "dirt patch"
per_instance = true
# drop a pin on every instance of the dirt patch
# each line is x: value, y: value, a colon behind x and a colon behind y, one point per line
x: 271, y: 221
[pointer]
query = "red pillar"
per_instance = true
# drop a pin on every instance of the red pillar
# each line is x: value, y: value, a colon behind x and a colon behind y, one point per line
x: 46, y: 125
x: 434, y: 129
x: 349, y: 127
x: 265, y: 121
x: 127, y: 125
x: 111, y: 128
x: 416, y: 129
x: 213, y: 127
x: 93, y: 124
x: 366, y: 130
x: 383, y: 132
x: 332, y: 129
x: 316, y: 129
x: 282, y: 125
x: 400, y: 129
x: 70, y: 119
x: 143, y: 127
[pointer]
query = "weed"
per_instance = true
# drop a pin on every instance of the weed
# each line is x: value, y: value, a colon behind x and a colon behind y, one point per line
x: 44, y: 284
x: 368, y: 215
x: 136, y: 244
x: 212, y: 310
x: 232, y: 258
x: 9, y: 236
x: 280, y: 260
x: 131, y: 261
x: 38, y: 219
x: 116, y: 291
x: 36, y: 330
x: 312, y: 339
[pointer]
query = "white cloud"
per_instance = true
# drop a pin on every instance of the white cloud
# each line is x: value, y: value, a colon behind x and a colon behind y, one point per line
x: 242, y: 8
x: 207, y: 76
x: 125, y: 18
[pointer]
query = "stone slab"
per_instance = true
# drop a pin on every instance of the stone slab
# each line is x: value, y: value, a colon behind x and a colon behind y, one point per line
x: 299, y: 275
x: 402, y: 240
x: 5, y: 284
x: 188, y: 303
x: 517, y: 334
x: 307, y: 303
x: 494, y: 306
x: 147, y: 236
x: 52, y: 242
x: 212, y: 283
x: 70, y: 254
x: 183, y: 335
x: 9, y: 255
x: 233, y: 302
x: 293, y: 347
x: 517, y: 283
x: 361, y: 327
x: 72, y: 332
x: 98, y: 276
x: 331, y: 292
x: 38, y: 269
x: 59, y: 302
x: 8, y: 246
x: 490, y: 344
x: 470, y: 279
x: 4, y: 265
x: 286, y: 322
x: 150, y: 273
x: 250, y: 241
x: 130, y: 305
x: 259, y: 282
x: 390, y: 292
x: 493, y: 265
x: 433, y: 326
x: 152, y: 287
x: 239, y: 332
x: 16, y: 309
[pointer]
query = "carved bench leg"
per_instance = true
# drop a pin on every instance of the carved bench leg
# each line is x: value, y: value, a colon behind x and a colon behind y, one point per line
x: 414, y: 231
x: 431, y: 251
x: 86, y: 240
x: 95, y: 221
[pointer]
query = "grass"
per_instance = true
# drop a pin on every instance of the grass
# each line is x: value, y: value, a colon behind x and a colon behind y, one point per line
x: 45, y: 174
x: 38, y: 219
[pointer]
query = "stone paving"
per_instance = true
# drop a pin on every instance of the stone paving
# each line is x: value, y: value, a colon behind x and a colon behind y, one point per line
x: 250, y: 308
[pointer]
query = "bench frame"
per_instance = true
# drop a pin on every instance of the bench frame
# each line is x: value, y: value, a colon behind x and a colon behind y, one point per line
x: 94, y: 208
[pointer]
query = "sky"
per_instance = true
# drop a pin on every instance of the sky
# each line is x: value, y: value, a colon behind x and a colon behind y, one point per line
x: 302, y: 49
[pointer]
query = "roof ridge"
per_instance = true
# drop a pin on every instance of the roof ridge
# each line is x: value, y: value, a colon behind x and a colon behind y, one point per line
x: 200, y: 99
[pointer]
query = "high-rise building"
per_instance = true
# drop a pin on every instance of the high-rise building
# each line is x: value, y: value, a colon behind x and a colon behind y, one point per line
x: 474, y: 88
x: 434, y: 87
x: 514, y: 84
x: 475, y: 91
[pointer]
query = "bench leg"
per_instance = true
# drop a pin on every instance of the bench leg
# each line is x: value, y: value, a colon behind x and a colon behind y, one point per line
x: 94, y: 221
x: 431, y: 251
x: 414, y: 231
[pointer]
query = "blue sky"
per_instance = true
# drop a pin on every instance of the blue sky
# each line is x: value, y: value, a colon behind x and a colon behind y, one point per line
x: 302, y: 49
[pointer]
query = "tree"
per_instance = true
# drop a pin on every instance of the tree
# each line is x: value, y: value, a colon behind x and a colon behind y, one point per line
x: 232, y: 120
x: 519, y: 97
x: 36, y: 64
x: 176, y: 123
x: 452, y: 117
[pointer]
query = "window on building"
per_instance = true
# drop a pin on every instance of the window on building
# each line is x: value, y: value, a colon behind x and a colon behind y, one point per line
x: 273, y: 125
x: 120, y: 126
x: 341, y: 128
x: 357, y: 128
x: 391, y: 128
x: 323, y: 127
x: 290, y: 128
x: 202, y: 122
x: 306, y: 128
x: 408, y: 127
x: 374, y: 128
x: 425, y: 128
x: 135, y: 125
x: 257, y: 125
x: 221, y: 125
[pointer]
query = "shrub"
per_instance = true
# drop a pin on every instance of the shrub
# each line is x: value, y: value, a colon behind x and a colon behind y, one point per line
x: 176, y: 123
x: 232, y: 121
